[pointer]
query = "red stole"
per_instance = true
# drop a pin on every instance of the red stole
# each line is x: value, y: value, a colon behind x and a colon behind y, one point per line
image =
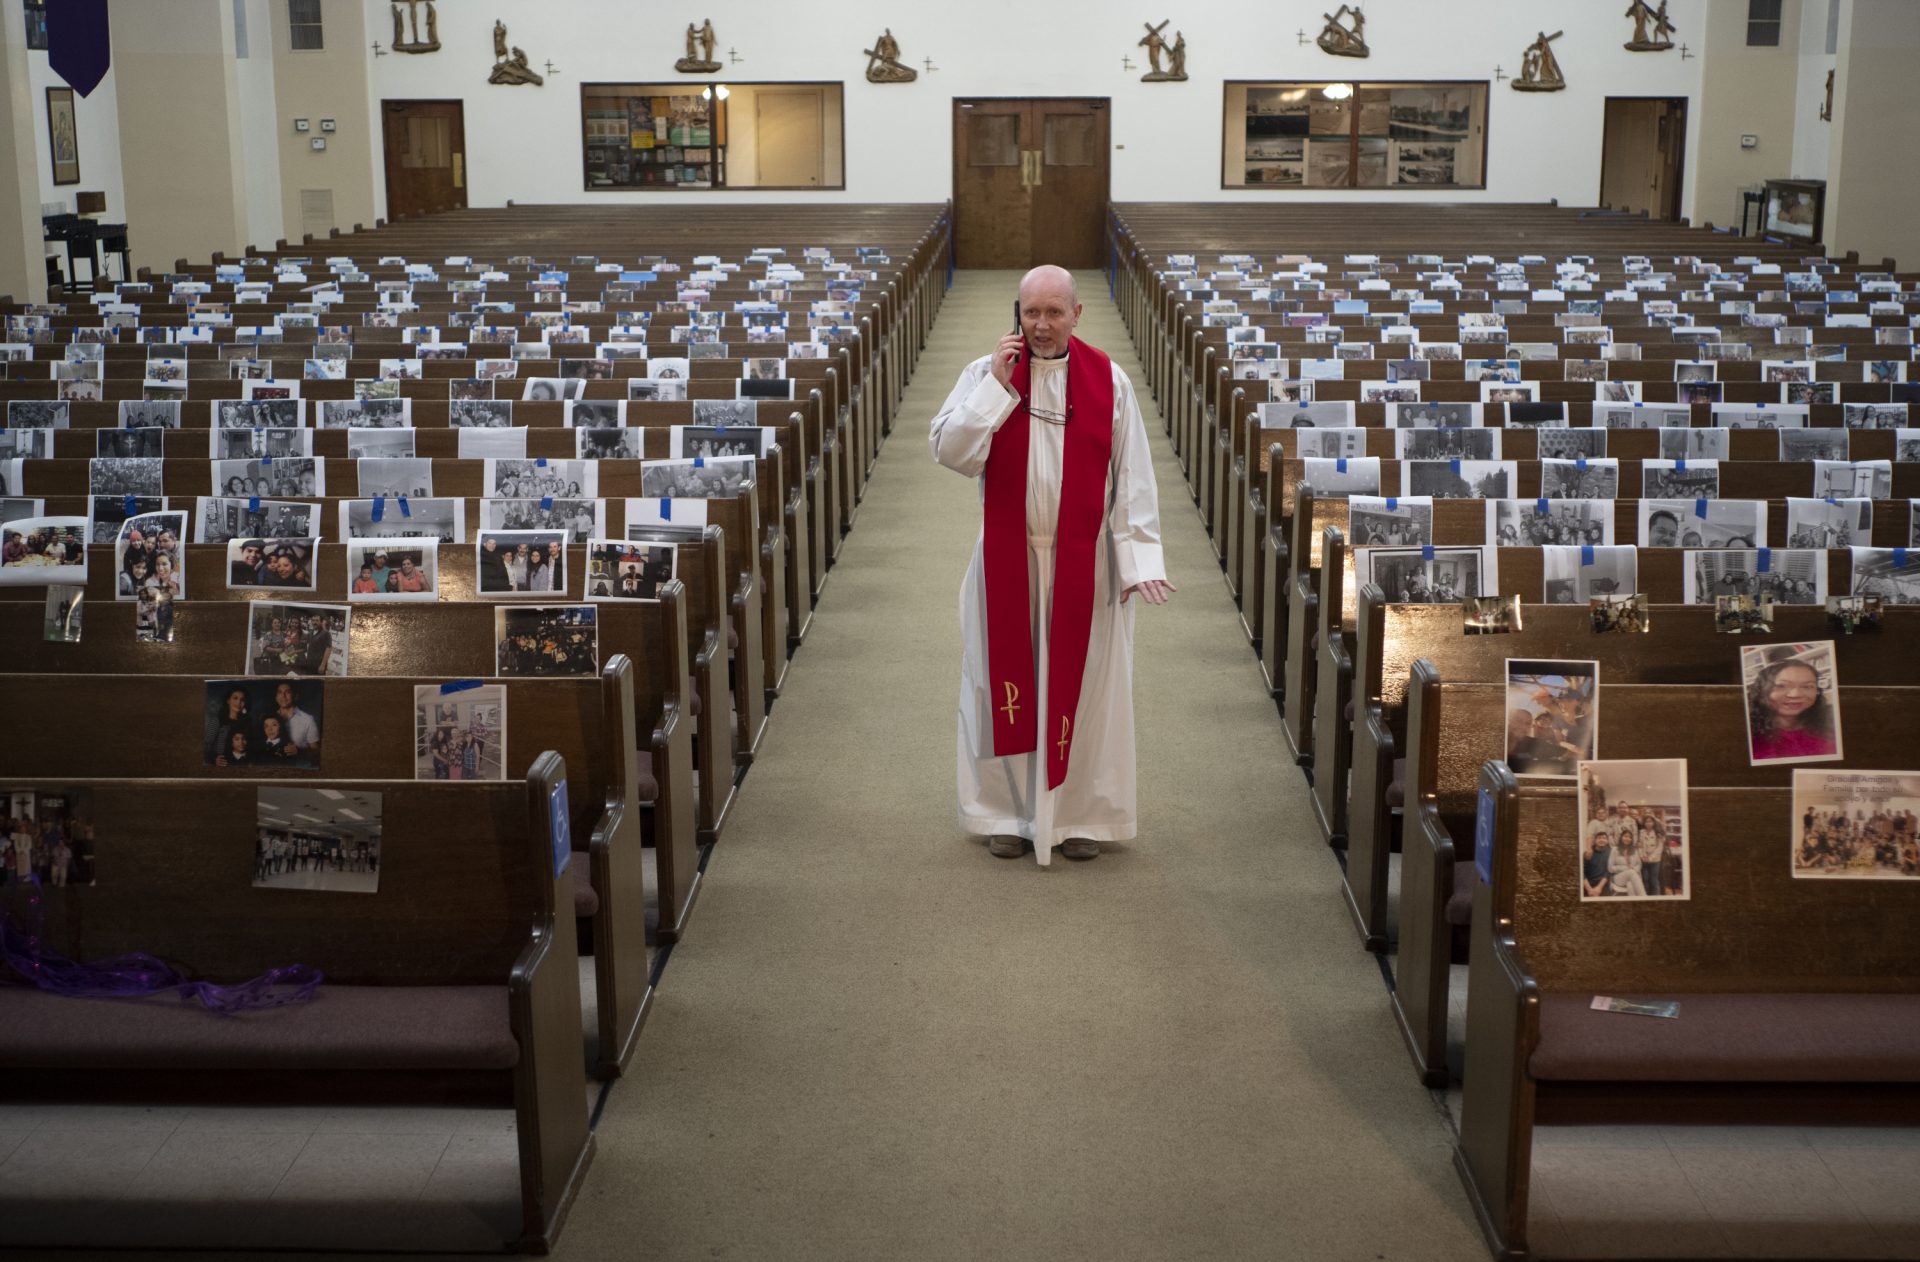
x: 1083, y: 506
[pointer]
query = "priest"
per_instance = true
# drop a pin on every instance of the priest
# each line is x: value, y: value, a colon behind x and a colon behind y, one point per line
x: 1070, y: 533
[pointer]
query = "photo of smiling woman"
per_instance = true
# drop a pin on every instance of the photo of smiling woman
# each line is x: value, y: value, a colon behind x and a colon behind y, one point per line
x: 1793, y: 703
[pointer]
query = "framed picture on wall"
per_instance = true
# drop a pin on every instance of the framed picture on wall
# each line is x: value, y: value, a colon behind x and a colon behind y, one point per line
x: 63, y: 136
x: 1796, y: 208
x: 36, y: 14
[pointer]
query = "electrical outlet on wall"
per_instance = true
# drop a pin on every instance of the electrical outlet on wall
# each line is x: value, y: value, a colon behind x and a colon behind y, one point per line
x: 318, y: 142
x: 1749, y: 141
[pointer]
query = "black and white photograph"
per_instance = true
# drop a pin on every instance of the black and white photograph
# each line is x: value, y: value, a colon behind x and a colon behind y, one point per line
x: 36, y: 551
x: 25, y: 444
x: 108, y: 444
x: 397, y: 569
x: 61, y: 623
x: 1633, y: 821
x: 380, y: 444
x: 282, y: 564
x: 1793, y: 703
x: 1499, y: 371
x: 1447, y: 444
x: 1373, y: 521
x: 725, y: 414
x: 540, y: 478
x: 521, y: 562
x: 1428, y: 575
x: 546, y: 641
x: 297, y: 639
x: 578, y: 520
x: 1460, y: 479
x: 46, y: 836
x: 764, y: 368
x: 124, y: 477
x: 411, y: 476
x: 1679, y: 442
x: 1875, y: 415
x: 1856, y: 825
x: 1569, y: 443
x: 1679, y: 479
x: 1852, y: 479
x: 597, y: 413
x: 249, y: 444
x: 366, y: 414
x: 1906, y: 445
x: 1307, y: 415
x: 257, y: 414
x: 1575, y: 575
x: 1778, y: 576
x: 149, y: 551
x: 1540, y: 523
x: 609, y: 443
x: 153, y: 616
x: 38, y: 414
x: 1509, y: 392
x: 1389, y: 392
x: 1536, y: 416
x: 443, y: 520
x: 1641, y: 416
x: 106, y: 514
x: 697, y: 478
x: 1829, y: 523
x: 1553, y: 716
x: 317, y: 839
x: 1702, y: 523
x: 479, y: 414
x: 1434, y: 415
x: 220, y: 519
x: 1748, y: 416
x: 618, y: 570
x: 297, y: 477
x: 1825, y: 443
x: 13, y: 508
x: 272, y: 724
x: 656, y: 390
x: 460, y: 731
x: 552, y: 389
x: 1625, y: 614
x: 757, y: 388
x: 1580, y: 479
x: 1330, y: 444
x: 1889, y: 575
x: 718, y: 441
x: 1616, y: 391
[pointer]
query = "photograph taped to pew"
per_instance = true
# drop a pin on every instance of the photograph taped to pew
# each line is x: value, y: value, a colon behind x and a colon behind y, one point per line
x: 579, y: 520
x: 546, y: 641
x: 1432, y: 415
x: 1851, y: 479
x: 1906, y: 446
x: 36, y: 551
x: 148, y: 551
x: 1332, y: 415
x: 106, y: 514
x: 1333, y: 479
x: 496, y: 444
x: 271, y: 724
x: 1553, y: 716
x: 596, y: 413
x: 1374, y: 521
x: 153, y: 616
x: 1888, y: 575
x: 285, y: 638
x: 366, y: 414
x: 1848, y: 614
x: 317, y: 839
x: 1461, y: 479
x: 1509, y: 392
x: 1829, y: 523
x: 1779, y: 576
x: 666, y: 520
x: 38, y: 414
x: 124, y: 477
x: 1702, y: 523
x: 1491, y: 615
x: 480, y: 414
x: 552, y: 389
x: 46, y: 836
x: 298, y: 477
x: 248, y: 444
x: 518, y: 563
x: 400, y: 568
x: 1541, y: 522
x: 1633, y: 830
x: 1447, y: 444
x: 724, y: 414
x: 272, y: 564
x: 540, y: 478
x: 710, y: 442
x: 25, y: 444
x: 1580, y: 479
x: 1330, y: 444
x: 1623, y: 614
x: 1857, y: 825
x: 115, y: 444
x: 390, y: 444
x: 619, y: 570
x: 1793, y: 703
x: 65, y: 605
x: 1679, y: 479
x: 442, y: 519
x: 656, y: 389
x: 1825, y: 443
x: 1568, y: 443
x: 258, y: 414
x: 1575, y: 575
x: 698, y: 478
x: 613, y: 442
x: 460, y: 731
x: 1428, y: 575
x: 1679, y: 442
x: 409, y: 476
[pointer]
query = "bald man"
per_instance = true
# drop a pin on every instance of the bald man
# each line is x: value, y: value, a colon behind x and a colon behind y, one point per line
x: 1070, y: 533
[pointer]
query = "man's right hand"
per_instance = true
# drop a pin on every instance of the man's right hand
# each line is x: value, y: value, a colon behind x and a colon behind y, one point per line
x: 1012, y: 346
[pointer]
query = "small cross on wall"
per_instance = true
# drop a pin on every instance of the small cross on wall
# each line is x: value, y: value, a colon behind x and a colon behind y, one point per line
x: 733, y: 56
x: 1498, y: 74
x: 1301, y: 35
x: 550, y: 70
x: 930, y: 66
x: 1685, y: 54
x: 1126, y: 62
x: 377, y: 50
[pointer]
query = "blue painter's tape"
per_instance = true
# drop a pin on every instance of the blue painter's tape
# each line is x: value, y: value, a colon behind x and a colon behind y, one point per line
x: 1456, y: 467
x: 699, y: 462
x: 1540, y: 506
x: 1340, y: 464
x: 1700, y: 509
x: 1586, y: 554
x: 379, y: 507
x: 546, y: 503
x: 1766, y: 561
x: 404, y: 510
x: 1393, y: 504
x: 666, y: 510
x: 540, y: 462
x: 1680, y: 465
x: 458, y: 685
x: 1900, y: 558
x: 266, y: 461
x: 1426, y: 552
x: 253, y: 503
x: 131, y: 504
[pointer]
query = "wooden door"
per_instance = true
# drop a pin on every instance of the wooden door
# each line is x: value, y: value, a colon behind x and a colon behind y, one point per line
x: 1642, y: 155
x: 426, y: 157
x: 1029, y: 182
x: 790, y: 137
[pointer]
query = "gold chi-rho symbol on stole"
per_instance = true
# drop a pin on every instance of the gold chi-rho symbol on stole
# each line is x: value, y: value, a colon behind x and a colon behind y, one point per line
x: 1013, y: 698
x: 1066, y: 734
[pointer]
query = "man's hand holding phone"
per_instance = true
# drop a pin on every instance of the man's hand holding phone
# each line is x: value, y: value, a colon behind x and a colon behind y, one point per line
x: 1008, y: 352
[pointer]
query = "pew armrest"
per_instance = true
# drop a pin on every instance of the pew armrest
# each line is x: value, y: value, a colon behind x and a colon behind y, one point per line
x: 549, y: 1088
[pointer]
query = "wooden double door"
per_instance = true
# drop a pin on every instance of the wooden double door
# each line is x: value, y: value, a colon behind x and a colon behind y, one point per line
x: 426, y: 152
x: 1030, y: 181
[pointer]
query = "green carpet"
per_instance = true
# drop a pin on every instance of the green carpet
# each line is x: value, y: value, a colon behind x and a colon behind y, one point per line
x: 880, y: 1042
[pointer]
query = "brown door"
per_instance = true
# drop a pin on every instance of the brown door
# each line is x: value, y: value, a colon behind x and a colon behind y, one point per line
x: 426, y: 157
x: 1030, y: 182
x: 1641, y: 158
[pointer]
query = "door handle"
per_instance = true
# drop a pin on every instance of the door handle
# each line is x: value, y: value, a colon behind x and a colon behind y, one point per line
x: 459, y: 170
x: 1026, y: 168
x: 1038, y: 162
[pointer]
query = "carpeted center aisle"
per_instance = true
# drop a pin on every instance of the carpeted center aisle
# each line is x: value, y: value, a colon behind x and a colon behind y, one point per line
x: 880, y: 1042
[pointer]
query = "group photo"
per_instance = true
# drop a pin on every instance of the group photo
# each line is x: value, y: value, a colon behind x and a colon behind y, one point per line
x: 294, y: 639
x: 318, y: 839
x: 628, y: 571
x: 460, y: 734
x: 548, y: 641
x: 1634, y: 841
x: 266, y: 724
x: 45, y: 837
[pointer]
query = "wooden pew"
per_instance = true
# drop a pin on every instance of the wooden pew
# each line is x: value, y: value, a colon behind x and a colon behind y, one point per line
x: 435, y: 990
x: 1797, y: 999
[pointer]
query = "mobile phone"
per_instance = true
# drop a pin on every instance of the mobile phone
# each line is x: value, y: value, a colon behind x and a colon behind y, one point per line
x: 1016, y: 326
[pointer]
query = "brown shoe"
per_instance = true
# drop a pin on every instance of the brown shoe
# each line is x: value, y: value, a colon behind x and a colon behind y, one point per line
x: 1080, y: 848
x: 1005, y: 847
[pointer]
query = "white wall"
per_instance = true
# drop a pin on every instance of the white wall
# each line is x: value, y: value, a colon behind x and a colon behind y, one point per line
x: 97, y: 117
x: 1811, y: 133
x: 523, y: 142
x: 260, y: 130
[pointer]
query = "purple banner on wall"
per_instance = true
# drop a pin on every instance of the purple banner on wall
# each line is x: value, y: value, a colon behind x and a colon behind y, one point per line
x: 78, y: 47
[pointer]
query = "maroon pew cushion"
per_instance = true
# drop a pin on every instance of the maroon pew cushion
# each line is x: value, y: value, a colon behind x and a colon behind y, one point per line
x: 646, y: 788
x: 1460, y: 902
x: 586, y: 900
x: 344, y: 1027
x: 1396, y: 793
x: 1742, y: 1038
x: 693, y: 701
x: 733, y: 638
